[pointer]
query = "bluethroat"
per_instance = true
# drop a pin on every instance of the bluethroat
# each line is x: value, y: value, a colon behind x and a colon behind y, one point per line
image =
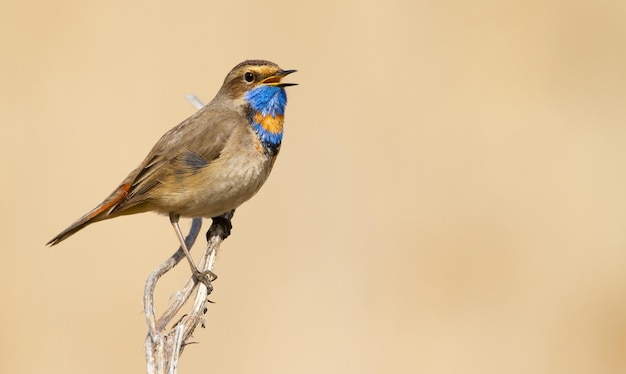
x: 210, y: 163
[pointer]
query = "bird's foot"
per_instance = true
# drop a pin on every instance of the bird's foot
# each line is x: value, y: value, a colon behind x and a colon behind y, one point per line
x: 205, y: 278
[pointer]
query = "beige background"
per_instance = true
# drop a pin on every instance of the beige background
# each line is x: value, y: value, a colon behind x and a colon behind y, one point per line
x: 450, y: 196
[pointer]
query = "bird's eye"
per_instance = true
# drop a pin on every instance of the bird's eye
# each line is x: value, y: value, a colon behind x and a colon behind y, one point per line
x: 248, y: 76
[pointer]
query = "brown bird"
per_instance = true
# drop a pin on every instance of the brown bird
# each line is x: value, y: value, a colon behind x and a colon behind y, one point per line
x: 210, y: 163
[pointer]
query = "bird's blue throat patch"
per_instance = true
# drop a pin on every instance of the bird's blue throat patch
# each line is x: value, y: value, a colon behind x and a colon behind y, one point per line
x: 266, y: 115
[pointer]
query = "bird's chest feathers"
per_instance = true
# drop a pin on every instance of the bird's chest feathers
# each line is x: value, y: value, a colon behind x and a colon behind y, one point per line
x: 266, y: 114
x: 269, y: 123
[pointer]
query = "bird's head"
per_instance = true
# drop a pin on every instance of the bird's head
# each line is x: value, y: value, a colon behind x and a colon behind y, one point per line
x: 257, y: 85
x: 253, y: 77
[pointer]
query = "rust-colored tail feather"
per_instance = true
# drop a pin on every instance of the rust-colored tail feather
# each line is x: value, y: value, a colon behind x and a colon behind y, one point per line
x: 97, y: 214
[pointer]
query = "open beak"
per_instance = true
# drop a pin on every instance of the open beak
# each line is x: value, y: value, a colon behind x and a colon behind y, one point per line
x: 274, y: 80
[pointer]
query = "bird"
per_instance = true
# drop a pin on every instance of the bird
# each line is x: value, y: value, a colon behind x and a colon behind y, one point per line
x: 210, y: 163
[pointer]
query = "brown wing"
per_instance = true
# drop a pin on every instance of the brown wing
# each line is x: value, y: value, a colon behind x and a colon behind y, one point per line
x: 186, y: 148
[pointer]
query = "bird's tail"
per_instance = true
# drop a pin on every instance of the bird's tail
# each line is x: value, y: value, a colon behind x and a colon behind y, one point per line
x: 99, y: 213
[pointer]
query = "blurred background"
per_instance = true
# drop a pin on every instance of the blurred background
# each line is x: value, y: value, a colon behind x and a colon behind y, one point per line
x: 449, y: 197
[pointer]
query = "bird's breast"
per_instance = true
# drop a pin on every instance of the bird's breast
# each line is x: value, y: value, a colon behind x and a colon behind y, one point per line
x: 222, y: 185
x: 270, y: 123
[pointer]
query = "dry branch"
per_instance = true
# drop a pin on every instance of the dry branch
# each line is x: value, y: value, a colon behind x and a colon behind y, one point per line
x: 163, y: 347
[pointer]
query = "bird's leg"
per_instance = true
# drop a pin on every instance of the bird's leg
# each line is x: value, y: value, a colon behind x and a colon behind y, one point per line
x: 205, y: 278
x: 223, y: 224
